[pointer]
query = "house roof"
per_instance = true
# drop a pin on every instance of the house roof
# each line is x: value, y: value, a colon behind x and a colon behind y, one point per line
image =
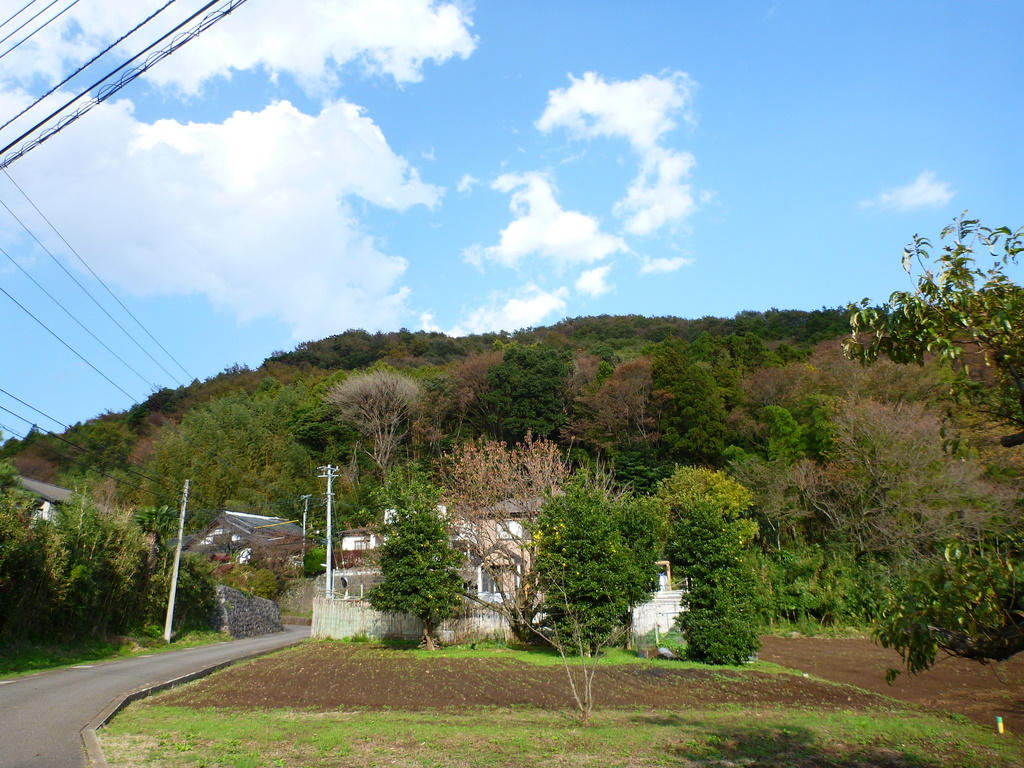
x: 248, y: 523
x: 46, y: 491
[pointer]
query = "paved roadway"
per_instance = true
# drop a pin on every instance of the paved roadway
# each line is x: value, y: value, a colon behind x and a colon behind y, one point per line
x: 42, y: 716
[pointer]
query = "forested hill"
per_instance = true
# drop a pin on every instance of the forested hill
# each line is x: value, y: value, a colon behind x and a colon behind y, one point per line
x: 856, y: 472
x: 635, y: 394
x: 599, y: 335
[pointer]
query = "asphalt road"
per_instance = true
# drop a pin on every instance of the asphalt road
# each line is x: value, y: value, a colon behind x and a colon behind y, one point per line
x: 42, y: 716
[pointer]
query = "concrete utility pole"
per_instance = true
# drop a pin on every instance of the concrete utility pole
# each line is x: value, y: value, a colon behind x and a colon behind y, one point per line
x: 330, y: 473
x: 305, y: 511
x: 177, y: 563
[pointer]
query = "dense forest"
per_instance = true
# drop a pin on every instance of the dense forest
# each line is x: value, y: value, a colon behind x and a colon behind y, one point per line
x: 858, y: 474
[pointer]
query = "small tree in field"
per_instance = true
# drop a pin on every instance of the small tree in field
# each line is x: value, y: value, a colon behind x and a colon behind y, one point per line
x: 420, y: 569
x: 589, y: 578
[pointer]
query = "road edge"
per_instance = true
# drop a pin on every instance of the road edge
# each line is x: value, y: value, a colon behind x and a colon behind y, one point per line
x: 94, y: 751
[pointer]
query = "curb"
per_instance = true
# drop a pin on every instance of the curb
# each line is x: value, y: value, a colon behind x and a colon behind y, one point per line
x: 94, y: 752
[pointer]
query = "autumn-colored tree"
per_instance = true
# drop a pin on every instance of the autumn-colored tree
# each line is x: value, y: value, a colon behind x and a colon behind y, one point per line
x: 494, y: 492
x: 622, y: 412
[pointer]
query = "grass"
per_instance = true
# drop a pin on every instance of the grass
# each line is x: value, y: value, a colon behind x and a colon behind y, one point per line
x: 169, y: 737
x: 22, y: 658
x: 537, y: 655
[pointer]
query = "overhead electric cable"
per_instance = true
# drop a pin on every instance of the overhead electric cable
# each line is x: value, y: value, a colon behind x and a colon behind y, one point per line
x: 86, y: 292
x: 100, y: 280
x: 106, y: 91
x: 91, y: 61
x: 58, y: 338
x: 26, y: 22
x: 82, y: 450
x: 80, y: 323
x: 39, y: 28
x: 17, y: 13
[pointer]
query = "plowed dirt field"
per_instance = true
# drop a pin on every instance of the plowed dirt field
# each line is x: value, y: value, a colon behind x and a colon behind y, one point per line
x: 329, y: 676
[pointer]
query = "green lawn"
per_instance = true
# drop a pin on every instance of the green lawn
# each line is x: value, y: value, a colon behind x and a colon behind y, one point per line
x: 25, y: 658
x: 172, y: 737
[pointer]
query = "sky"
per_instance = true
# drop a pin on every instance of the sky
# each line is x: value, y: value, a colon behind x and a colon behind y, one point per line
x: 303, y: 168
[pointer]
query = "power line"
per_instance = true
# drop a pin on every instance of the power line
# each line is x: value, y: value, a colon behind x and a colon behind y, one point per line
x: 27, y: 21
x: 91, y: 61
x: 72, y: 349
x: 40, y: 27
x: 101, y: 282
x: 71, y: 315
x: 86, y: 291
x: 108, y: 90
x: 17, y: 13
x: 77, y: 460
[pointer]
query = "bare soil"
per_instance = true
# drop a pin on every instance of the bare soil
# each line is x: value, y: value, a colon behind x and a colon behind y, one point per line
x: 979, y: 692
x: 332, y: 676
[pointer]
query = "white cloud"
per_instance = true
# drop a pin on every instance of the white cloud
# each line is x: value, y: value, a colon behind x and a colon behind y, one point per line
x: 531, y: 308
x: 594, y: 282
x: 308, y: 39
x: 466, y: 184
x: 923, y: 192
x: 662, y: 266
x: 640, y: 111
x: 252, y: 213
x: 649, y: 206
x: 543, y: 228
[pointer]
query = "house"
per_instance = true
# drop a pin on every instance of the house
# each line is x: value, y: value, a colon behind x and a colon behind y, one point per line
x: 48, y: 496
x: 241, y: 535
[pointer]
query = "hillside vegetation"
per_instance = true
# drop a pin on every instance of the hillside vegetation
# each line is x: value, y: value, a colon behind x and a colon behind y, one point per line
x: 857, y: 473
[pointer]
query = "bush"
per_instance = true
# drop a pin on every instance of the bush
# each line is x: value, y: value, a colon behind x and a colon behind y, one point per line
x: 259, y: 582
x: 194, y: 600
x: 722, y: 624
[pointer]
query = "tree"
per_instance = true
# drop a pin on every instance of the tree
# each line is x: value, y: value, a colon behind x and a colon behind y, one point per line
x: 969, y: 318
x: 969, y: 604
x: 380, y: 403
x: 589, y: 578
x: 494, y: 493
x: 708, y: 546
x: 420, y: 569
x: 693, y: 417
x: 621, y: 411
x: 966, y: 316
x: 527, y: 393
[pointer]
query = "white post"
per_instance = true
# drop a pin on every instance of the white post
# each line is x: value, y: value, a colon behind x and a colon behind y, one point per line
x: 177, y: 562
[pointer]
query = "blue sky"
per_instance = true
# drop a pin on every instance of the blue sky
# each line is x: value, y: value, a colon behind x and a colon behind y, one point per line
x: 303, y: 168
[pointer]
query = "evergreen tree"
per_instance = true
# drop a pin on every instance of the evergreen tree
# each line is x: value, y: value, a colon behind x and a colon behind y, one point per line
x: 420, y: 569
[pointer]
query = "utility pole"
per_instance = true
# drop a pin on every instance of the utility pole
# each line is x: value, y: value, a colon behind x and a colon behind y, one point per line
x: 177, y: 563
x: 305, y: 511
x: 330, y: 473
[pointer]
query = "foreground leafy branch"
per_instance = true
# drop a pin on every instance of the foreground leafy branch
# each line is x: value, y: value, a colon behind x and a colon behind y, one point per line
x: 968, y: 605
x: 967, y: 316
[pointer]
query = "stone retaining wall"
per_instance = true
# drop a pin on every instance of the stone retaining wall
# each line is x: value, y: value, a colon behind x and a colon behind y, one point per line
x: 242, y: 615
